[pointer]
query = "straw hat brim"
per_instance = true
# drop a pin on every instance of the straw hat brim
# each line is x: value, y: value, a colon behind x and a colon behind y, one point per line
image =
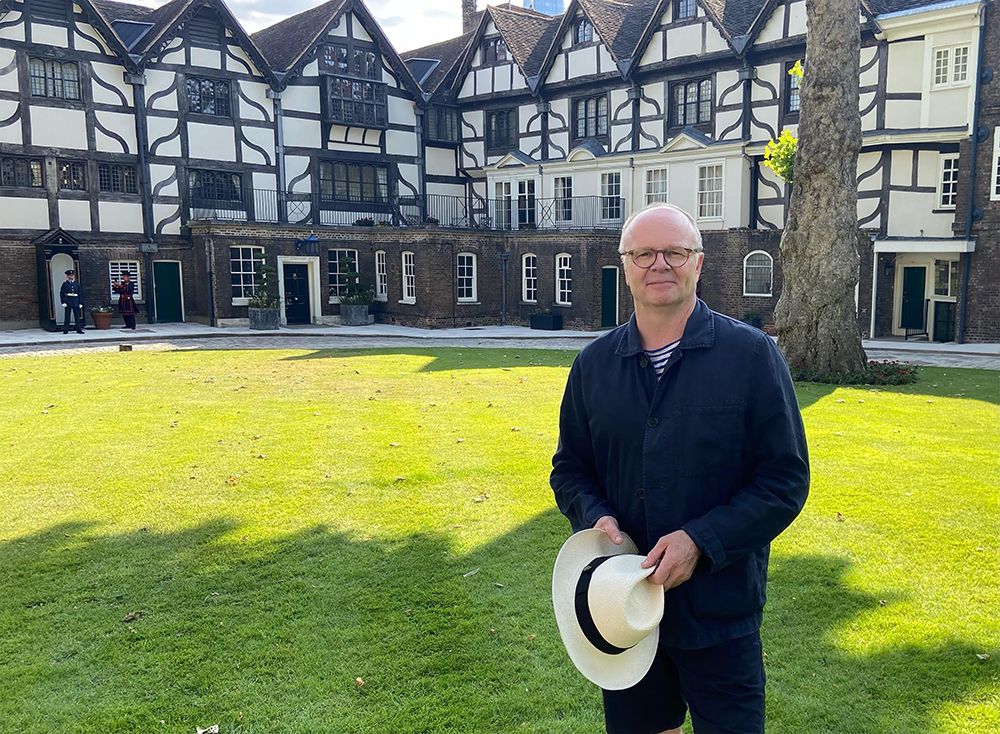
x: 611, y: 672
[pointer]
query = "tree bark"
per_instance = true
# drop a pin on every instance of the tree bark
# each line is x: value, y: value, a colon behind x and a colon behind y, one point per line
x: 816, y: 317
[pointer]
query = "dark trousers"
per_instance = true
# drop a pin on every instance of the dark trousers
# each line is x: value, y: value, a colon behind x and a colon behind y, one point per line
x: 129, y: 320
x: 77, y: 316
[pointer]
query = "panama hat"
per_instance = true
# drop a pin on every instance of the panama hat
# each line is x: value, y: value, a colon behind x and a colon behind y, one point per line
x: 607, y: 612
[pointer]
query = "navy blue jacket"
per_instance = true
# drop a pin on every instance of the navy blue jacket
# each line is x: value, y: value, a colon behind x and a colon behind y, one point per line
x: 715, y: 447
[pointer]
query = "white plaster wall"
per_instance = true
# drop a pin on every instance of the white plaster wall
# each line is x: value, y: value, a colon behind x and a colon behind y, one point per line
x: 10, y: 133
x: 211, y: 142
x: 714, y: 40
x: 467, y: 86
x: 484, y: 80
x: 654, y: 51
x: 311, y: 69
x: 724, y: 120
x: 797, y: 19
x: 121, y: 124
x: 295, y: 166
x: 266, y: 181
x: 119, y: 216
x: 58, y: 128
x: 87, y: 43
x: 207, y: 58
x: 162, y: 212
x: 359, y: 30
x: 902, y: 169
x: 13, y: 32
x: 439, y: 189
x: 74, y: 215
x: 402, y: 112
x: 409, y: 173
x: 870, y: 77
x: 172, y: 55
x: 23, y: 213
x: 911, y: 215
x: 262, y: 137
x: 400, y: 143
x: 607, y: 62
x: 159, y: 173
x: 302, y: 133
x: 950, y: 107
x: 159, y: 127
x: 301, y: 99
x: 257, y: 93
x: 683, y: 41
x: 239, y: 53
x: 47, y: 35
x: 766, y: 73
x: 157, y: 81
x: 113, y: 75
x: 441, y: 162
x: 906, y: 67
x: 583, y: 62
x: 8, y: 80
x: 558, y: 71
x: 339, y: 28
x: 773, y: 28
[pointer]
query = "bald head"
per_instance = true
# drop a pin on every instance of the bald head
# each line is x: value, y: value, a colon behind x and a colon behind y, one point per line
x: 642, y: 227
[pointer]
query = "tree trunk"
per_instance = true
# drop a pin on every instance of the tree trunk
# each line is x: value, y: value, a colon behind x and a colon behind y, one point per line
x: 816, y: 319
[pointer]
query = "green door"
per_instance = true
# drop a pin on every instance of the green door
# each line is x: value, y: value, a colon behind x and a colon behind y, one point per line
x: 911, y: 313
x: 167, y: 291
x: 609, y: 297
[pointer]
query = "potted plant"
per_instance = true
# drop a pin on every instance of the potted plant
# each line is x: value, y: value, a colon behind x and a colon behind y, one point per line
x: 546, y: 320
x: 102, y: 316
x: 265, y: 304
x: 355, y: 296
x: 364, y: 222
x: 432, y: 221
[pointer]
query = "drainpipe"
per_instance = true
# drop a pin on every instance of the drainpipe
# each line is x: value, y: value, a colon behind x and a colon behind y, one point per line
x: 212, y: 316
x: 984, y: 77
x: 504, y: 257
x: 138, y: 82
x: 422, y: 162
x: 279, y: 152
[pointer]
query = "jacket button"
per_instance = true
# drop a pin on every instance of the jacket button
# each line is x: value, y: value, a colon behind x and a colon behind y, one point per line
x: 641, y: 493
x: 643, y: 362
x: 653, y: 422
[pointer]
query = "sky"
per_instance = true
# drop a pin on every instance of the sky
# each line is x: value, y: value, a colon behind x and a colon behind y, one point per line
x: 408, y: 23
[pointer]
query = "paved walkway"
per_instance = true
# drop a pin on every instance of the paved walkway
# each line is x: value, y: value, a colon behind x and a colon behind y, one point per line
x: 198, y: 336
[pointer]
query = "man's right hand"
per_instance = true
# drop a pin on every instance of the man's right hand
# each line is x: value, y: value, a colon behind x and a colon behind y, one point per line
x: 609, y: 525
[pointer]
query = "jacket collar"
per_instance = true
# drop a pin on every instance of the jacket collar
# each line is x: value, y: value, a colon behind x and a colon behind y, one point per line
x: 698, y: 332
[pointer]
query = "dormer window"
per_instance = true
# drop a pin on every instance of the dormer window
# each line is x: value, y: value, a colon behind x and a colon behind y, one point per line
x: 493, y: 51
x: 584, y: 32
x: 684, y: 9
x: 355, y: 93
x: 51, y: 9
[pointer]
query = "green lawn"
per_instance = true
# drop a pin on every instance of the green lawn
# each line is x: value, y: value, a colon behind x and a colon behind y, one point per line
x: 275, y: 525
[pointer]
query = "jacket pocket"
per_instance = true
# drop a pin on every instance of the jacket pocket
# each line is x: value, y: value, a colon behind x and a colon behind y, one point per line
x: 708, y: 439
x: 735, y: 591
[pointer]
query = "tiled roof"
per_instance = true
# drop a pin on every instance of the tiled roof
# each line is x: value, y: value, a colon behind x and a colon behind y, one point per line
x: 447, y: 52
x: 734, y: 17
x: 113, y: 11
x: 163, y: 18
x: 528, y: 35
x: 893, y: 6
x: 620, y: 23
x: 284, y: 43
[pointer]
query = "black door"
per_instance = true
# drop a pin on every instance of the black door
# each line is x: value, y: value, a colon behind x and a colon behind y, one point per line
x: 911, y: 314
x: 296, y: 278
x: 944, y: 321
x: 609, y: 297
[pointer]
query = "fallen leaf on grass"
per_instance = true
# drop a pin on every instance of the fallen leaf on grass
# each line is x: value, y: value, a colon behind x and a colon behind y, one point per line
x: 515, y: 429
x: 473, y: 572
x: 232, y: 480
x: 498, y: 585
x: 840, y: 518
x: 481, y: 498
x: 983, y: 655
x: 213, y: 729
x: 358, y: 682
x: 261, y: 456
x: 133, y: 616
x: 459, y: 440
x: 400, y: 479
x: 882, y: 602
x: 395, y: 445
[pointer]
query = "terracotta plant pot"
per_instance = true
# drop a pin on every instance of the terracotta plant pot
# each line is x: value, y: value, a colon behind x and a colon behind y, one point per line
x: 102, y: 319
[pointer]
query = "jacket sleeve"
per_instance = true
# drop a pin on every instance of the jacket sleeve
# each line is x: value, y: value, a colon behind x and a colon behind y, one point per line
x: 574, y: 478
x: 777, y: 491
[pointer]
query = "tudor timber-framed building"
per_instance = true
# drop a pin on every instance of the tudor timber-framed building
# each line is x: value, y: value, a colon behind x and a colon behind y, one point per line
x: 483, y: 179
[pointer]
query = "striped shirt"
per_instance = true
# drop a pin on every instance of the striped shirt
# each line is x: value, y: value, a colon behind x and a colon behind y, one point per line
x: 659, y: 357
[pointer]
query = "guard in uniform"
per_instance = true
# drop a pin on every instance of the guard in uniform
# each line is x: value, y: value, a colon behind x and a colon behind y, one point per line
x: 71, y: 298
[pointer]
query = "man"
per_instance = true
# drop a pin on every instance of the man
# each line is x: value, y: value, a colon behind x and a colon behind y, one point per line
x: 71, y: 298
x: 681, y: 428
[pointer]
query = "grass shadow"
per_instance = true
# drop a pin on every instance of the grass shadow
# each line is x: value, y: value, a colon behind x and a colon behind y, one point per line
x: 447, y: 359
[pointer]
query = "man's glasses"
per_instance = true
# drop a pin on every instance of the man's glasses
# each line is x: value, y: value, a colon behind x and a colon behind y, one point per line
x: 675, y: 257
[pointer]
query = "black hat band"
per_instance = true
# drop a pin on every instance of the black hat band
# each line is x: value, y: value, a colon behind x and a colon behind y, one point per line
x: 583, y: 616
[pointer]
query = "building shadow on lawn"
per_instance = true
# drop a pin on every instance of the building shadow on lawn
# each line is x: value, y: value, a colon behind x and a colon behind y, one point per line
x: 446, y: 359
x: 816, y: 686
x: 212, y: 624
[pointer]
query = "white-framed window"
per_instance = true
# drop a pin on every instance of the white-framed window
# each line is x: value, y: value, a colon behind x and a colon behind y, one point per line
x: 564, y: 279
x: 244, y: 264
x: 710, y: 191
x: 656, y: 186
x: 466, y: 283
x: 341, y: 263
x: 381, y: 277
x: 564, y: 198
x: 115, y: 270
x: 409, y: 279
x: 758, y: 274
x: 951, y: 66
x: 948, y: 182
x: 611, y: 196
x: 946, y: 278
x: 995, y: 187
x: 529, y: 278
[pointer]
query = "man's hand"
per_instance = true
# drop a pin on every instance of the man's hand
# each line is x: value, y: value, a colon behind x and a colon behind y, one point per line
x: 610, y: 526
x: 675, y: 556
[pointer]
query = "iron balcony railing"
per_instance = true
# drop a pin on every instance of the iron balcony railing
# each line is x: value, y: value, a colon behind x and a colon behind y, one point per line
x: 516, y: 213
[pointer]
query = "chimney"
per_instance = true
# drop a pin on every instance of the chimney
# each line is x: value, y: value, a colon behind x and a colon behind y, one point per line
x: 468, y: 15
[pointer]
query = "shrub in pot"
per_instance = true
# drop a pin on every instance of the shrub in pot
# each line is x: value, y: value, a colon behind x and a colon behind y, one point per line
x: 265, y: 304
x: 355, y: 296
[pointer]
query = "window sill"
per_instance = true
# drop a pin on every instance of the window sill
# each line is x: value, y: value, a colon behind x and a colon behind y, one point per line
x: 241, y: 301
x: 562, y: 305
x: 468, y: 303
x: 758, y: 295
x: 407, y: 302
x: 944, y: 210
x: 529, y: 303
x: 381, y: 299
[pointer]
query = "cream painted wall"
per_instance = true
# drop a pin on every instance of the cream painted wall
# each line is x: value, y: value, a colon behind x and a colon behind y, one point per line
x: 773, y: 29
x: 583, y: 62
x: 8, y: 79
x: 359, y: 31
x: 159, y: 173
x: 302, y: 133
x: 262, y: 137
x: 162, y: 212
x: 121, y: 124
x: 714, y: 40
x: 13, y: 32
x: 400, y: 143
x: 87, y: 43
x: 58, y: 128
x: 22, y: 213
x: 211, y: 142
x: 74, y: 215
x: 441, y: 162
x: 911, y: 215
x: 682, y: 42
x: 402, y: 112
x: 159, y: 127
x: 111, y: 74
x: 295, y: 166
x: 797, y: 19
x: 265, y: 181
x: 156, y: 82
x: 172, y: 56
x: 47, y: 35
x: 117, y: 216
x: 257, y: 93
x: 300, y: 99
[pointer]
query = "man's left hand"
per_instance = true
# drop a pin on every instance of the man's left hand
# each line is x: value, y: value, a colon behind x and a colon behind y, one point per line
x: 675, y: 556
